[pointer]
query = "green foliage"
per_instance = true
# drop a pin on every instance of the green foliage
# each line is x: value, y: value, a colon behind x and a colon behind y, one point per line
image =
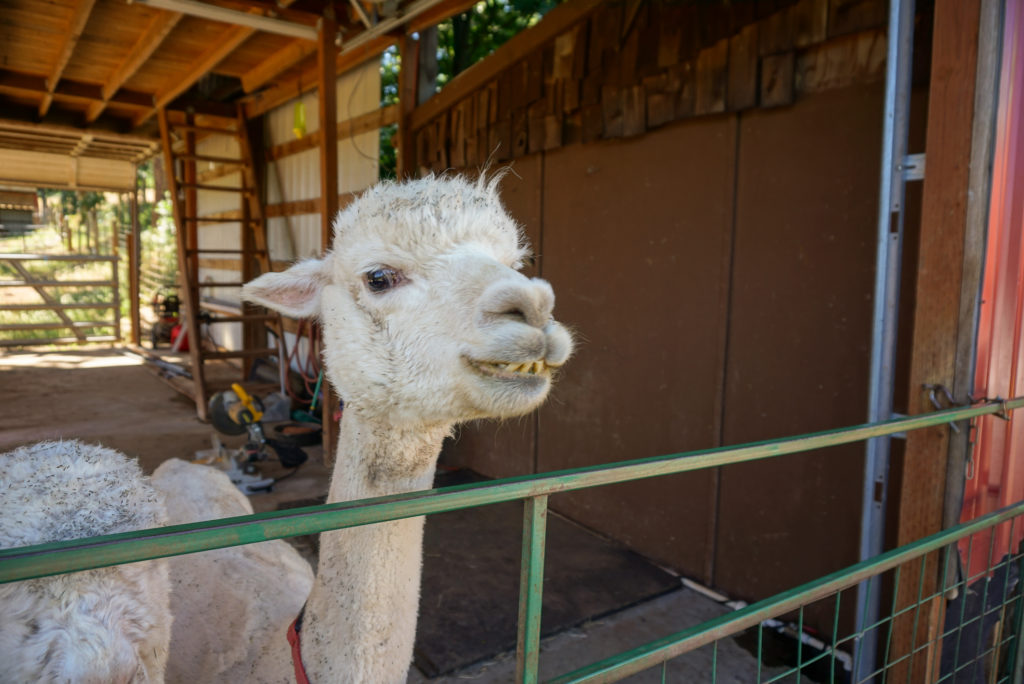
x: 467, y: 38
x: 462, y: 41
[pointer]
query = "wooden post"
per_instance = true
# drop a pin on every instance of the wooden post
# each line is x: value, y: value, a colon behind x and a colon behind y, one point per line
x: 327, y: 61
x: 134, y: 263
x: 921, y: 472
x: 408, y: 78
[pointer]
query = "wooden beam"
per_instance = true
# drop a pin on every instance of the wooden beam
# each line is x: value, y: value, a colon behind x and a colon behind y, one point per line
x: 309, y: 78
x: 135, y: 264
x: 921, y: 472
x: 68, y: 89
x: 273, y: 10
x: 438, y: 13
x: 158, y: 28
x: 327, y: 61
x: 76, y: 25
x: 328, y: 109
x: 408, y: 80
x: 348, y: 128
x: 221, y: 48
x: 554, y: 23
x: 277, y: 63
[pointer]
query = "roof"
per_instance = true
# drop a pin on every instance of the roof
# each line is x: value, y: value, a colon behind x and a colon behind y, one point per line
x: 86, y: 77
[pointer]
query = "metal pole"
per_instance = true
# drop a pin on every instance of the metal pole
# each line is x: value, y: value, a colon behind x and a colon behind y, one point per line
x: 126, y: 547
x: 531, y: 589
x: 884, y: 319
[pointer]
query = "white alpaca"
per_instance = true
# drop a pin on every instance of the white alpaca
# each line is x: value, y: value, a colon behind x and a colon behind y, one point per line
x: 227, y: 602
x: 427, y: 322
x: 106, y: 625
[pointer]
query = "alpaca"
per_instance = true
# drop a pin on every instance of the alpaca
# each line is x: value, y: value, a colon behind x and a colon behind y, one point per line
x: 427, y: 322
x: 105, y: 625
x: 226, y: 602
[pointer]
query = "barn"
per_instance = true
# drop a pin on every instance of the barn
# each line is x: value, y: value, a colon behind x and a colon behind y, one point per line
x: 786, y: 234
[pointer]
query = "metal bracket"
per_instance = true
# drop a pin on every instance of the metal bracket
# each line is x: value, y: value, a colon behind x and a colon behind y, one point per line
x: 933, y: 391
x: 912, y: 167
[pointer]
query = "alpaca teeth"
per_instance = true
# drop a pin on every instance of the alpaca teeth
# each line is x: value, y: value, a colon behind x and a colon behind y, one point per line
x: 512, y: 367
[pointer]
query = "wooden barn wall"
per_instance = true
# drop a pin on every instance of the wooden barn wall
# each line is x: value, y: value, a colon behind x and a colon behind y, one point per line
x: 718, y: 271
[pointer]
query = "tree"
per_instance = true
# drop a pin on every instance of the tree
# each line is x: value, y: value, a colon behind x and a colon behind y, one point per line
x: 463, y: 40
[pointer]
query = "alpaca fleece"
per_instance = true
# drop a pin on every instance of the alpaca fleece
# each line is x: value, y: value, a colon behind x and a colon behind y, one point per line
x: 105, y: 625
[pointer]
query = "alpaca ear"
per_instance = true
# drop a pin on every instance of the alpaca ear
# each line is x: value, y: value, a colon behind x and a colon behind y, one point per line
x: 295, y: 292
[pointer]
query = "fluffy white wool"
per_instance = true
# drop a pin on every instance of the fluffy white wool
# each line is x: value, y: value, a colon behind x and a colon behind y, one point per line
x: 106, y: 625
x: 227, y: 603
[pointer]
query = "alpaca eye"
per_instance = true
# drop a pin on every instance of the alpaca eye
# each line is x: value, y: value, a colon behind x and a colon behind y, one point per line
x: 382, y: 279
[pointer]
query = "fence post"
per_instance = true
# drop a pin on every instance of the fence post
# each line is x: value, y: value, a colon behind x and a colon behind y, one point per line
x: 531, y: 588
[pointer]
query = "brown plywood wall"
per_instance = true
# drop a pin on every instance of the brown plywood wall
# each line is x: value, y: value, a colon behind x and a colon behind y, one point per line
x: 718, y: 272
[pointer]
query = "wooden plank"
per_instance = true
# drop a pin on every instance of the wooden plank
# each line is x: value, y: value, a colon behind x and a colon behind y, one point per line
x: 437, y: 14
x: 921, y: 472
x: 277, y: 63
x: 221, y: 48
x: 307, y: 80
x: 605, y: 28
x: 408, y: 79
x: 563, y: 55
x: 327, y: 103
x: 810, y: 22
x: 149, y: 40
x: 555, y: 22
x: 686, y: 94
x: 851, y: 16
x: 741, y: 92
x: 80, y: 15
x: 520, y: 133
x: 712, y: 78
x: 348, y: 128
x: 777, y: 88
x: 634, y: 111
x: 858, y: 58
x: 69, y: 89
x: 660, y: 100
x: 777, y: 32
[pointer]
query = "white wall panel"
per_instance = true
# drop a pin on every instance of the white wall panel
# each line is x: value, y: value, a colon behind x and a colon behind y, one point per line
x: 295, y: 177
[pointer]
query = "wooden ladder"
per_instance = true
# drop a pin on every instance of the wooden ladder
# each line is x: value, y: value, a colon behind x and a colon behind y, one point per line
x: 183, y: 180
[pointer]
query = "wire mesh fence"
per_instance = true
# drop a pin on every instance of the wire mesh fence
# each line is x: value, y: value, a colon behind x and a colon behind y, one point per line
x: 940, y: 624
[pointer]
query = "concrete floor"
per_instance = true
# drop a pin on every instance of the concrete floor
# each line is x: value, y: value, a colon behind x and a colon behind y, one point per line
x: 107, y: 396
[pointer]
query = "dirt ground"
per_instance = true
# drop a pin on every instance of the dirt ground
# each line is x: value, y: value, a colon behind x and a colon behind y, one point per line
x: 108, y: 396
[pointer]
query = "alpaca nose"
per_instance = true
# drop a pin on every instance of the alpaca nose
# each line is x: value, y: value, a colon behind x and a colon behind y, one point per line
x: 525, y: 300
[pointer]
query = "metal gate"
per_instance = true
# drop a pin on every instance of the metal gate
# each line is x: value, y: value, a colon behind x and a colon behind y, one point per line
x: 84, y: 309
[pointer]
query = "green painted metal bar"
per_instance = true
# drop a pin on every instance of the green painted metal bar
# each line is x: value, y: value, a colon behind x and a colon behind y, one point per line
x: 531, y: 588
x: 639, y: 659
x: 82, y: 554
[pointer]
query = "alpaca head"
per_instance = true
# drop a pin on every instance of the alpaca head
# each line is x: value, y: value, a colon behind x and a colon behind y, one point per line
x: 426, y: 316
x: 106, y: 625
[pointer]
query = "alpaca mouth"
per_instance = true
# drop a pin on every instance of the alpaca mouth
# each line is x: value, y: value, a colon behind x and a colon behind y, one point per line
x: 512, y: 370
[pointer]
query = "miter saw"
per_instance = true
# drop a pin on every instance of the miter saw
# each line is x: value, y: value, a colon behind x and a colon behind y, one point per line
x: 236, y: 412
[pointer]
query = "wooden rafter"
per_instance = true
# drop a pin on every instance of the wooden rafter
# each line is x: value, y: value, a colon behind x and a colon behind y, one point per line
x: 159, y: 26
x: 81, y: 15
x: 16, y: 81
x: 307, y: 80
x: 228, y: 42
x: 221, y: 48
x: 277, y: 63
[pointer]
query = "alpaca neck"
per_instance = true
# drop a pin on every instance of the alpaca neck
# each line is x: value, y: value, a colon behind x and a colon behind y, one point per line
x: 360, y: 619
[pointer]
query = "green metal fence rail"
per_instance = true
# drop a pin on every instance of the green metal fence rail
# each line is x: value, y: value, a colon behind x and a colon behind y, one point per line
x: 82, y: 554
